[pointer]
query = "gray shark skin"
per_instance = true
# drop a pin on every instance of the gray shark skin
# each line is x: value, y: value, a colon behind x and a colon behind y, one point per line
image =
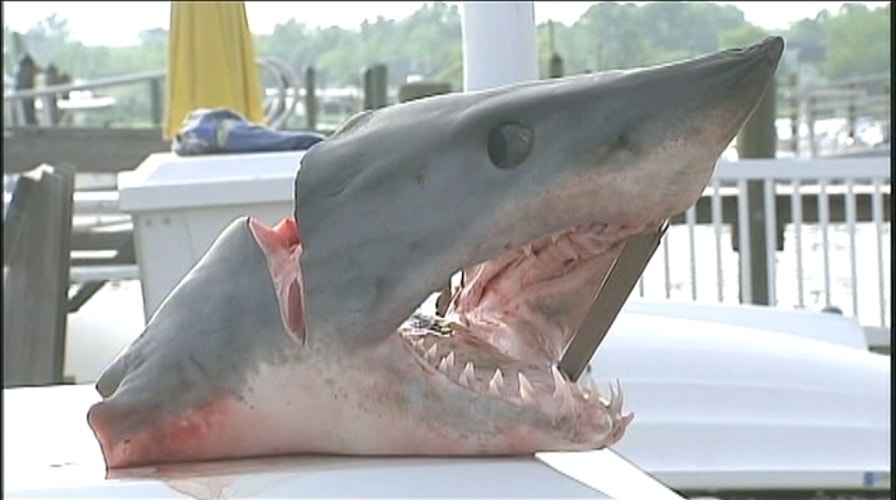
x: 302, y: 338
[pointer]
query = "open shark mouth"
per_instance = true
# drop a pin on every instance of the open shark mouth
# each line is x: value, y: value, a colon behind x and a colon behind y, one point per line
x: 511, y: 318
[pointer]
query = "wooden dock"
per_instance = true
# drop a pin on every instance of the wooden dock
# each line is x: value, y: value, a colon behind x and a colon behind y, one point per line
x: 87, y: 150
x: 40, y: 265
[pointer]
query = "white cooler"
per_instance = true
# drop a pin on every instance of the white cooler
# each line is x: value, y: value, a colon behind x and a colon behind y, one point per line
x: 179, y: 206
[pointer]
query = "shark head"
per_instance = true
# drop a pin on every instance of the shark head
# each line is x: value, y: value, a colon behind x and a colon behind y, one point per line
x: 401, y: 198
x: 303, y: 337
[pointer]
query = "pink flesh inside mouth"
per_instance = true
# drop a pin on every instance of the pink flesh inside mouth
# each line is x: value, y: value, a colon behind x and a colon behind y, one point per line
x: 510, y: 320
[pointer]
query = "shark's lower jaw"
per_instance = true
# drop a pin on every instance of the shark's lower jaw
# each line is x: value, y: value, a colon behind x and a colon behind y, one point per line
x: 451, y: 355
x: 509, y: 322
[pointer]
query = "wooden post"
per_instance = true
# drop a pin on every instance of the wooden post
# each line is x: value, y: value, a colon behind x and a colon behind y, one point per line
x: 374, y: 83
x: 851, y: 113
x: 310, y: 99
x: 810, y: 122
x: 25, y: 76
x: 155, y: 102
x: 35, y: 299
x: 51, y: 78
x: 795, y: 113
x: 757, y: 139
x: 418, y: 90
x: 555, y: 69
x: 888, y: 122
x: 555, y: 64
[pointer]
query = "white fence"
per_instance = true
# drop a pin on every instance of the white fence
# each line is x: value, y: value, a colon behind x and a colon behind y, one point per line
x: 843, y: 261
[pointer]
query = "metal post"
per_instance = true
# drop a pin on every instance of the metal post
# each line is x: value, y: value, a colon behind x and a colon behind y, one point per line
x: 498, y: 44
x: 757, y: 139
x: 310, y: 99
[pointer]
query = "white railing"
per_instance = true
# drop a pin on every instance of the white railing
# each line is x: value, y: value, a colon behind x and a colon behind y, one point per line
x: 823, y: 263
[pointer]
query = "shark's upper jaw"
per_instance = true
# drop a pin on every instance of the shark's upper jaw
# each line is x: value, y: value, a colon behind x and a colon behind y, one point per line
x: 404, y: 197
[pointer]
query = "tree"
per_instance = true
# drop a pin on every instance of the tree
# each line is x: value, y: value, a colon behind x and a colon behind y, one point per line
x: 745, y: 34
x: 858, y: 42
x: 609, y: 35
x: 47, y: 37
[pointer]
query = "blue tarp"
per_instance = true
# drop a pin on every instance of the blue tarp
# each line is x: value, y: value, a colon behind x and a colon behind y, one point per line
x: 217, y: 131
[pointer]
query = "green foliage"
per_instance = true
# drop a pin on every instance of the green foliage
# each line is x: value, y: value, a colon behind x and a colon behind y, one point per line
x: 426, y: 43
x: 859, y: 41
x: 609, y: 35
x: 744, y: 34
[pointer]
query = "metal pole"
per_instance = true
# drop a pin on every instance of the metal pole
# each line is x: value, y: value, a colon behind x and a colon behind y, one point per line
x: 498, y: 44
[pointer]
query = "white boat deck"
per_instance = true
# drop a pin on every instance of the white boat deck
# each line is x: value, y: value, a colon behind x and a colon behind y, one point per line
x: 49, y: 451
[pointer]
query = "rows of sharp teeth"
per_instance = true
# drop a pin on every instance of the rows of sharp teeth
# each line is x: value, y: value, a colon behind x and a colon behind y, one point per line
x: 563, y: 395
x: 528, y: 249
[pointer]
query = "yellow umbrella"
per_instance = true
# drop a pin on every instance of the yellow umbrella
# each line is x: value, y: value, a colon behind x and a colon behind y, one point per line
x: 211, y: 62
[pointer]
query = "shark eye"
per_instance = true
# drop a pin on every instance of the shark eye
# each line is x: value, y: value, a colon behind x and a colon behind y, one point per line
x: 509, y: 144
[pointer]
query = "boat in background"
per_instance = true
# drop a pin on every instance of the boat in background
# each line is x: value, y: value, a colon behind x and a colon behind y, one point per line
x: 749, y: 398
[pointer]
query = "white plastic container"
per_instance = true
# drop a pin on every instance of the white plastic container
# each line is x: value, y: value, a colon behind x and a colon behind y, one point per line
x: 180, y: 204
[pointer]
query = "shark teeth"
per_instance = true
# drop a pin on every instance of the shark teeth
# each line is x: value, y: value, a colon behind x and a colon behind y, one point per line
x: 447, y: 363
x: 589, y: 388
x: 496, y: 383
x: 431, y: 353
x: 467, y: 376
x: 527, y: 392
x: 616, y: 399
x: 562, y: 392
